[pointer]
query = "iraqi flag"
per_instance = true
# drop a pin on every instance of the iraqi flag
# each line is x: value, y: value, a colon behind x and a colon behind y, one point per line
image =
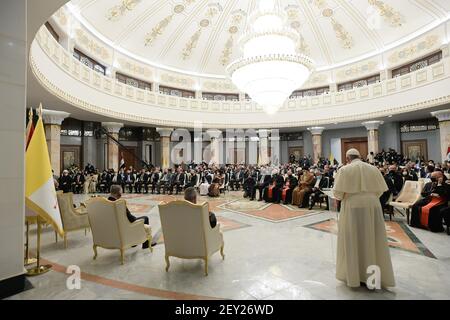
x: 122, y: 163
x: 40, y: 193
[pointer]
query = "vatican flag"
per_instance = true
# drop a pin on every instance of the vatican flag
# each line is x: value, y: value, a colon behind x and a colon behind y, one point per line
x: 40, y: 193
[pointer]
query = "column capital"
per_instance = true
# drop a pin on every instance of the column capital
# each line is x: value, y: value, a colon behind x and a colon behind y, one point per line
x: 214, y: 133
x: 112, y: 127
x: 54, y: 117
x: 164, y: 132
x: 372, y: 125
x: 442, y: 115
x: 263, y: 133
x: 316, y: 131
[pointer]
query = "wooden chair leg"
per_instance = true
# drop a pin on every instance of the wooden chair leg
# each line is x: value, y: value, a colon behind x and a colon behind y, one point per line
x: 221, y: 252
x: 95, y: 251
x: 167, y: 263
x: 150, y: 239
x: 122, y: 256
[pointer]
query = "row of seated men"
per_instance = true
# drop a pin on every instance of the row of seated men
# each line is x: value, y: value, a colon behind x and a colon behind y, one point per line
x: 432, y: 210
x: 303, y: 189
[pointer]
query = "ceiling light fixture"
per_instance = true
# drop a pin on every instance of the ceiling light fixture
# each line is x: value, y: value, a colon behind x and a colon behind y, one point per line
x: 270, y: 68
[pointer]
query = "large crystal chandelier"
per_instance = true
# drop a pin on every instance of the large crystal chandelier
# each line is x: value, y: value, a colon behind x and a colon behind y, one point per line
x: 270, y: 68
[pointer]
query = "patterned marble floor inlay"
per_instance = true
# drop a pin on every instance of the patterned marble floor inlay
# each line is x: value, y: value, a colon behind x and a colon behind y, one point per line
x: 269, y: 255
x: 225, y: 225
x: 267, y: 211
x: 399, y: 236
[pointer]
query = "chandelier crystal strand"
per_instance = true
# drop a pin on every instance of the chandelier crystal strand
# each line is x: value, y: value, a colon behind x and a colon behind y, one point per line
x: 270, y: 69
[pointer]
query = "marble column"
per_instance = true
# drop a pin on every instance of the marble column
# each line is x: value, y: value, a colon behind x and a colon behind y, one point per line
x: 216, y: 136
x: 13, y: 68
x: 372, y: 135
x: 444, y: 131
x: 316, y: 133
x: 52, y: 123
x: 165, y: 134
x: 263, y: 147
x: 113, y: 129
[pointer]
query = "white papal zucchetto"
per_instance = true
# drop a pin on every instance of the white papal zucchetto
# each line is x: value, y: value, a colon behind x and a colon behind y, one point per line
x: 353, y: 152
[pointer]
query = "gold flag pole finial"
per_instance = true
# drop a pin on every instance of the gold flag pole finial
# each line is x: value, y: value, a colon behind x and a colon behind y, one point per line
x: 30, y: 114
x: 40, y: 110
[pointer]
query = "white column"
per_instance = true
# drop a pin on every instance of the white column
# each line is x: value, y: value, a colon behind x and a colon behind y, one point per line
x: 263, y: 147
x: 372, y: 135
x: 165, y: 134
x: 53, y: 121
x: 113, y: 129
x: 216, y: 151
x: 316, y: 133
x: 155, y: 87
x: 444, y: 131
x: 13, y: 57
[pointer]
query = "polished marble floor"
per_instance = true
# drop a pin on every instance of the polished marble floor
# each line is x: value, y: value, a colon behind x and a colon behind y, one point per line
x: 272, y: 252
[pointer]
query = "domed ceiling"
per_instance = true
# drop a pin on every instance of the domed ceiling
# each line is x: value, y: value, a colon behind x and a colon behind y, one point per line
x: 201, y: 36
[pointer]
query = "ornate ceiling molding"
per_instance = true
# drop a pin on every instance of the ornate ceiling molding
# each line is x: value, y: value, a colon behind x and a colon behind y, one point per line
x: 92, y: 79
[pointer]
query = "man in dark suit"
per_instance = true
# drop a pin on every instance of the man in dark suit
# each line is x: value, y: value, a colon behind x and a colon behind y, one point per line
x: 291, y: 184
x: 65, y: 182
x: 396, y: 178
x: 190, y: 194
x: 249, y: 186
x: 263, y: 181
x: 116, y: 194
x: 391, y: 189
x: 177, y: 181
x: 192, y: 180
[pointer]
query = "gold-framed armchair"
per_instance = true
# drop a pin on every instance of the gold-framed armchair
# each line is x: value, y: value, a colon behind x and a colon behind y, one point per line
x: 188, y: 233
x: 72, y: 219
x: 111, y: 228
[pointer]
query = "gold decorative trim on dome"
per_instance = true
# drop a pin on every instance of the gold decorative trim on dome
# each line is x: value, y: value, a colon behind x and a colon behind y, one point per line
x: 234, y: 28
x: 46, y: 44
x: 341, y: 33
x: 118, y: 11
x: 162, y: 25
x: 293, y: 14
x: 211, y: 12
x: 393, y: 17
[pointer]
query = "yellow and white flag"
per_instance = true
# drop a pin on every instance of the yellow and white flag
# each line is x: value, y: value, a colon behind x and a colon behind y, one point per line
x: 40, y: 193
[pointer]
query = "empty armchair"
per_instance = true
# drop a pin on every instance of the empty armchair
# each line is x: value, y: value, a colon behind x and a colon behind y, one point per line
x: 72, y: 219
x: 111, y: 228
x: 188, y: 233
x: 410, y: 194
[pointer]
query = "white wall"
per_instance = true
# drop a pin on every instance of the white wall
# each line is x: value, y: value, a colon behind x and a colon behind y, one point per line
x: 13, y: 63
x: 389, y: 136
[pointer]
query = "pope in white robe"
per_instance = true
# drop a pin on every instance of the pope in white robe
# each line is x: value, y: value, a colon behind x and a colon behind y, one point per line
x: 362, y: 238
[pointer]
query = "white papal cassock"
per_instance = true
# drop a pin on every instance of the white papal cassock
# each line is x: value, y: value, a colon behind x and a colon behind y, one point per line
x: 362, y: 239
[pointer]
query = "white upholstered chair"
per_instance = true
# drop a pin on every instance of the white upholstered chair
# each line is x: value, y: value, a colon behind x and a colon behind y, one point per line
x: 188, y: 233
x: 111, y: 228
x: 72, y: 219
x: 410, y: 194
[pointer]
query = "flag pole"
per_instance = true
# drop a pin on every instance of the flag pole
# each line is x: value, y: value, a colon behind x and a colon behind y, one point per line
x: 28, y: 260
x: 38, y: 270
